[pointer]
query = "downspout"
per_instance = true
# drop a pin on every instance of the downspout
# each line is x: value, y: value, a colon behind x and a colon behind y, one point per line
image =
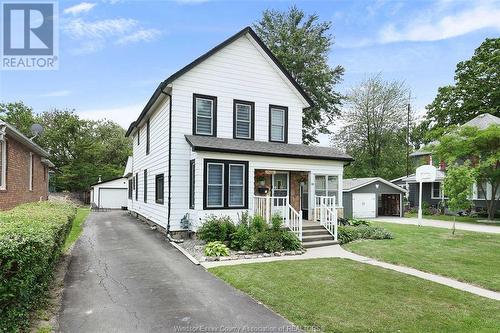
x: 169, y: 177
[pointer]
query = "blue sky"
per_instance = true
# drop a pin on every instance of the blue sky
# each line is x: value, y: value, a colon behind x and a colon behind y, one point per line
x: 113, y: 53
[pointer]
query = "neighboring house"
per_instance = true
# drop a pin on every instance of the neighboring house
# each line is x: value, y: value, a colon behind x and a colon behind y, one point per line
x: 223, y: 136
x: 372, y: 197
x: 432, y: 193
x: 110, y: 194
x: 24, y: 168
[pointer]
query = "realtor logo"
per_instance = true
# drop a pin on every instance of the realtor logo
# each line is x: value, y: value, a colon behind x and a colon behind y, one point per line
x: 29, y: 36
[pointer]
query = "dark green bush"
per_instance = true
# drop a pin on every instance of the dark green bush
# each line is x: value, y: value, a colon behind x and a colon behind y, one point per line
x: 290, y: 242
x: 31, y: 240
x: 276, y: 222
x: 258, y: 223
x: 240, y: 238
x: 216, y: 229
x: 348, y: 234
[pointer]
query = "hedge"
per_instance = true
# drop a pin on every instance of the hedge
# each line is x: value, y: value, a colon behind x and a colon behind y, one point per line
x: 351, y: 233
x: 31, y: 240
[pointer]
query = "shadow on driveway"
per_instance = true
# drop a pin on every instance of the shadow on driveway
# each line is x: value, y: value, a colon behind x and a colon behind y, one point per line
x: 124, y: 277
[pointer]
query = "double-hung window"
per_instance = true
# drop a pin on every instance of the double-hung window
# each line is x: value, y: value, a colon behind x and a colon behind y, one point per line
x: 204, y: 115
x: 278, y: 123
x: 226, y: 184
x: 436, y: 190
x: 3, y: 164
x: 159, y: 188
x: 327, y: 186
x: 243, y: 119
x: 147, y: 137
x: 192, y: 174
x: 130, y: 187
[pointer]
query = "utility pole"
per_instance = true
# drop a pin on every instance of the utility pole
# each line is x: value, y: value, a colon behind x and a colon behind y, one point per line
x: 408, y: 136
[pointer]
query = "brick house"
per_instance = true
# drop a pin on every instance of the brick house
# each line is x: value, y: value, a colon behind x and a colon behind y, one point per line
x: 24, y: 168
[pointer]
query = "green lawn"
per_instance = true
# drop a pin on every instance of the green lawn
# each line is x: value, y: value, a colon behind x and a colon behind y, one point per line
x: 457, y: 218
x: 468, y: 256
x: 76, y: 228
x: 339, y: 295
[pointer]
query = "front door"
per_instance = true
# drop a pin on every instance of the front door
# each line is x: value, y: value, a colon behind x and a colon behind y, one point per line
x: 280, y: 191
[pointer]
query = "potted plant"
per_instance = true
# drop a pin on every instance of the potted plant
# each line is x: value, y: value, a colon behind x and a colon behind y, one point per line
x: 261, y: 180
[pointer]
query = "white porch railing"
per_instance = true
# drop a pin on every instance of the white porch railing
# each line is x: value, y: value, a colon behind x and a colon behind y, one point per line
x: 322, y: 200
x: 266, y: 206
x: 328, y: 219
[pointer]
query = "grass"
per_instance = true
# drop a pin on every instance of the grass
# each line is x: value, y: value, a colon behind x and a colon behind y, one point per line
x: 471, y: 257
x: 76, y: 228
x: 467, y: 219
x: 339, y: 295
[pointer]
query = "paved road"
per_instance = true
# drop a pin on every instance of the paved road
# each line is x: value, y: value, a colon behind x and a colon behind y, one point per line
x: 123, y: 277
x: 495, y: 229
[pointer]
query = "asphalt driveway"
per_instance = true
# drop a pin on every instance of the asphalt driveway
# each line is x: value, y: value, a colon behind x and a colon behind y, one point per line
x: 124, y: 277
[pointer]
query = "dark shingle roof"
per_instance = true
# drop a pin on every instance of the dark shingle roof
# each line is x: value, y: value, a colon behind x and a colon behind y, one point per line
x: 208, y: 143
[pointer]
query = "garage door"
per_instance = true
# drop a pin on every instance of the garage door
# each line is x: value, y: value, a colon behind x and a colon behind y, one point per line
x: 363, y: 205
x: 112, y: 197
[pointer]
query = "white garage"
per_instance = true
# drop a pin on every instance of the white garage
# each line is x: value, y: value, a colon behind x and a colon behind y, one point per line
x: 364, y: 205
x: 111, y: 194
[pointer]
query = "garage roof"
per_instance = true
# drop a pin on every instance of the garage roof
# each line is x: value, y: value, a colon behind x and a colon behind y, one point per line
x: 355, y: 183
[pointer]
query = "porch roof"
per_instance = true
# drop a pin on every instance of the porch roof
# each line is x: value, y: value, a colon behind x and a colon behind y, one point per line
x: 208, y: 143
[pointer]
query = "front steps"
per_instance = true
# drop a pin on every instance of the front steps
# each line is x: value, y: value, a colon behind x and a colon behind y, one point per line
x: 315, y: 235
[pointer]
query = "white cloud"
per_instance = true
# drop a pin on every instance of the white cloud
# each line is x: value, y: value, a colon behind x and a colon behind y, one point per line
x: 145, y: 35
x: 123, y: 115
x: 57, y: 93
x: 80, y: 8
x: 429, y: 28
x: 95, y: 35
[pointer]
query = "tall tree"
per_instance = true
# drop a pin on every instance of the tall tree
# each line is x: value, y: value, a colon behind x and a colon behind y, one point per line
x: 374, y: 130
x: 19, y: 115
x: 477, y: 149
x: 476, y: 91
x: 302, y: 44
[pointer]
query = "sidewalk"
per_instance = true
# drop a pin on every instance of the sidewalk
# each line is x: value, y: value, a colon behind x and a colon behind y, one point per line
x: 495, y: 229
x: 336, y: 251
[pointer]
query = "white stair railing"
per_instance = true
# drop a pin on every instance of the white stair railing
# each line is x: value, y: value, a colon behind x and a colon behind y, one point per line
x: 295, y: 222
x: 328, y: 219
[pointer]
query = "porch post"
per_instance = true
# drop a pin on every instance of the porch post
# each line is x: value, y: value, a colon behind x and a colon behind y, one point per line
x: 312, y: 197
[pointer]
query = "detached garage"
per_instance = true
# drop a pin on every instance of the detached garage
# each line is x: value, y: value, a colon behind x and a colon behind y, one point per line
x: 372, y: 197
x: 111, y: 194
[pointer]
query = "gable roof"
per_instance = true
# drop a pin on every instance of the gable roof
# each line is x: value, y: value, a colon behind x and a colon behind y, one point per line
x: 171, y: 78
x: 355, y: 183
x: 264, y: 148
x: 483, y: 121
x: 109, y: 180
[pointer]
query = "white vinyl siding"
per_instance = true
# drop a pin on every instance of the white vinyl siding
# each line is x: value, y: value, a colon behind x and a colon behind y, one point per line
x: 277, y: 124
x: 215, y: 185
x: 243, y: 121
x: 3, y: 164
x: 236, y: 185
x: 204, y: 116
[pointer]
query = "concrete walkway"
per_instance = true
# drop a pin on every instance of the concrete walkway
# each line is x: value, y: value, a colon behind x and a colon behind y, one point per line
x: 336, y: 251
x: 477, y: 227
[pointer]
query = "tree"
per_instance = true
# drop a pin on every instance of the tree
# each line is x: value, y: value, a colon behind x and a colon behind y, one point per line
x: 458, y: 188
x: 374, y: 130
x: 477, y: 149
x: 476, y: 91
x: 302, y: 44
x: 18, y: 115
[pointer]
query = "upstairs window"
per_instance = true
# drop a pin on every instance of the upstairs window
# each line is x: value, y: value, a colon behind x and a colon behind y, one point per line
x: 278, y: 123
x: 138, y: 136
x: 31, y: 166
x: 243, y: 119
x: 3, y: 165
x: 204, y: 115
x: 147, y: 137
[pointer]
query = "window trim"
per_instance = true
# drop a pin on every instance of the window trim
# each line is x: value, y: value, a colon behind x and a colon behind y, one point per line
x: 147, y: 137
x: 252, y: 119
x: 285, y: 125
x: 161, y: 200
x: 145, y: 186
x: 225, y: 187
x: 130, y: 188
x: 138, y: 136
x: 192, y: 183
x: 3, y: 167
x: 441, y: 196
x: 229, y: 184
x: 214, y: 114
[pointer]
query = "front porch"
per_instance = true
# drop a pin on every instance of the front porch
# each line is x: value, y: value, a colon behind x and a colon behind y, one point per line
x: 313, y: 219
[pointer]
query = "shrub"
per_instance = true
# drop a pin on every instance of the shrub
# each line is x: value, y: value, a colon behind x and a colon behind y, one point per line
x: 276, y: 222
x: 267, y: 241
x: 356, y: 222
x: 216, y: 249
x: 31, y: 240
x: 290, y: 242
x: 348, y: 234
x: 258, y: 223
x: 241, y: 237
x: 217, y: 229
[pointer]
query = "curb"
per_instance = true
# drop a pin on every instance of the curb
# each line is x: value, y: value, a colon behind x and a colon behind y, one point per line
x: 184, y: 252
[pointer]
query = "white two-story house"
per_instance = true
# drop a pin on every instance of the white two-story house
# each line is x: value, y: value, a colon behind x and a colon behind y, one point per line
x: 223, y: 135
